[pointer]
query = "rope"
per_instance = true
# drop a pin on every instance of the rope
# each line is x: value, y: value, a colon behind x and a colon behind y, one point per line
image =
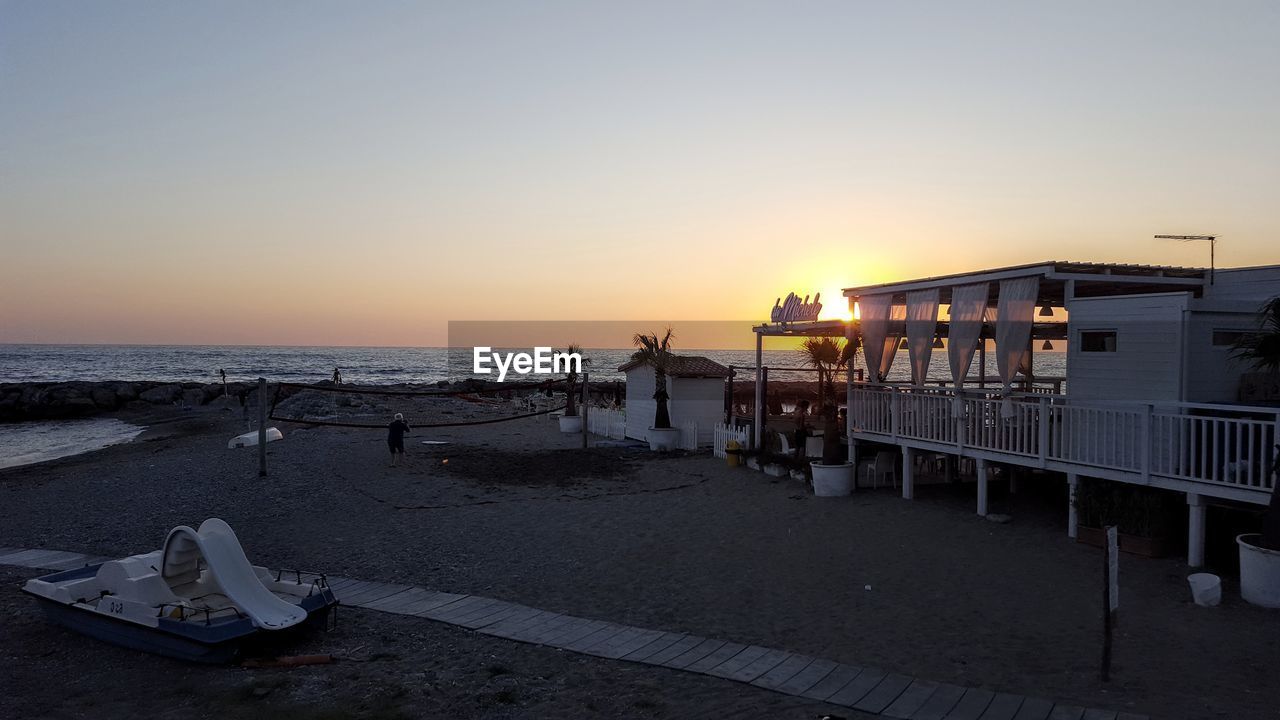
x: 333, y: 423
x: 418, y: 393
x: 561, y: 497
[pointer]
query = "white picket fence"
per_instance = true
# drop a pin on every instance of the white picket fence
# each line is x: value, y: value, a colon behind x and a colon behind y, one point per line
x: 607, y: 422
x: 721, y: 436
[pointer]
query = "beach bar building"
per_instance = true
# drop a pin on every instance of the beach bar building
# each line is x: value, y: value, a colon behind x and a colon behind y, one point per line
x: 1151, y: 396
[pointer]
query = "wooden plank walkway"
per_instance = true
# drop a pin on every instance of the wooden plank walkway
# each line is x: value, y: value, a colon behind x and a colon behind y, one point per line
x: 869, y: 690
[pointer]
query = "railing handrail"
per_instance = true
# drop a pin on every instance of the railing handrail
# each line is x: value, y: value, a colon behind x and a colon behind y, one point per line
x: 1161, y: 406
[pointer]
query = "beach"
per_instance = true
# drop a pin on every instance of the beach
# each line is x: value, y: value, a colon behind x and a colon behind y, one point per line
x: 679, y: 543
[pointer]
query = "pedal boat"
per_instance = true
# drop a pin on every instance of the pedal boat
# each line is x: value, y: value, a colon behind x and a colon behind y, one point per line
x: 197, y: 599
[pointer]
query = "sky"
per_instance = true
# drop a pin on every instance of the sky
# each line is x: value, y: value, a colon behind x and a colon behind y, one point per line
x: 338, y: 173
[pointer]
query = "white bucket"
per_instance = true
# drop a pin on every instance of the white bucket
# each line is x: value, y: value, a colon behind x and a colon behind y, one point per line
x: 1206, y: 589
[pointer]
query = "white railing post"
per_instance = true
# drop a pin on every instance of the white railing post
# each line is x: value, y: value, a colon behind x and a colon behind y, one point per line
x: 1147, y: 439
x: 895, y: 403
x: 1042, y: 420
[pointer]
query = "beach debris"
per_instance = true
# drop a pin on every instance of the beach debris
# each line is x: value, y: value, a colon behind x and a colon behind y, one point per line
x: 867, y: 588
x: 999, y: 518
x: 287, y: 661
x: 444, y: 461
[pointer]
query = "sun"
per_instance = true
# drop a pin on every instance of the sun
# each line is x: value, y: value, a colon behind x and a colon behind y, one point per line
x: 835, y: 305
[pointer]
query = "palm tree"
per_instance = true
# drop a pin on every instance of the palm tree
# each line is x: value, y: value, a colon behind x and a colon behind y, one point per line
x: 828, y: 355
x: 1261, y: 349
x: 571, y: 380
x: 656, y: 353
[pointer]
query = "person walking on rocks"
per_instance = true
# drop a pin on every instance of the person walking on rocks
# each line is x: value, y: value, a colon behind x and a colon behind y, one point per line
x: 337, y: 377
x: 395, y: 438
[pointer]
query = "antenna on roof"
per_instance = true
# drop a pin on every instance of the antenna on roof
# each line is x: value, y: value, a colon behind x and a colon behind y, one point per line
x: 1213, y: 240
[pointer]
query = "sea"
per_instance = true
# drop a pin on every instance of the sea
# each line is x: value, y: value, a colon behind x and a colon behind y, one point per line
x: 26, y: 443
x: 366, y: 365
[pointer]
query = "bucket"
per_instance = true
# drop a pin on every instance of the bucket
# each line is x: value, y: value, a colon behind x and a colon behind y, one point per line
x: 1206, y: 589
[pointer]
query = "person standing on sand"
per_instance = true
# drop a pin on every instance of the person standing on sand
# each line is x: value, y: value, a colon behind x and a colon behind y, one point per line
x: 802, y: 427
x: 395, y: 438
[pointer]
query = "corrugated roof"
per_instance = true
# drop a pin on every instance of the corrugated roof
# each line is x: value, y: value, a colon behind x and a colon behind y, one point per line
x: 1118, y: 272
x: 687, y: 366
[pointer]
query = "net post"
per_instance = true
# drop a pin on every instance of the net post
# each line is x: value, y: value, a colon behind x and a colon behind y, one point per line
x: 584, y: 410
x: 262, y: 427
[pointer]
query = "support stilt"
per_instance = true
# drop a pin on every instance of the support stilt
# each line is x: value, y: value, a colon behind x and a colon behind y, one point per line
x: 1073, y: 516
x: 908, y: 473
x: 982, y: 486
x: 1195, y: 530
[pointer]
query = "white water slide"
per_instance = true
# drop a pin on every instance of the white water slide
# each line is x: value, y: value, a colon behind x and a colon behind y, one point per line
x: 227, y: 572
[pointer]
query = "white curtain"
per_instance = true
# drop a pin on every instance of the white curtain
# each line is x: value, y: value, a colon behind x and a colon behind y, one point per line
x: 922, y: 325
x: 1015, y: 312
x: 877, y: 314
x: 968, y: 307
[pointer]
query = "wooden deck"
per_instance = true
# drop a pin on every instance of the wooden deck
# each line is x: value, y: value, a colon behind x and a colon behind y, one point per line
x: 1222, y: 451
x: 866, y: 689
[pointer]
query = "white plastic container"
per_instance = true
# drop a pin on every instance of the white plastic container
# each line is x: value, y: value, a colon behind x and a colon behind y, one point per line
x: 1259, y: 572
x: 832, y: 480
x: 1206, y: 589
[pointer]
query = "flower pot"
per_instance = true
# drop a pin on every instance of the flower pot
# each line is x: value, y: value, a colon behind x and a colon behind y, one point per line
x: 1259, y: 572
x: 571, y: 423
x: 664, y: 439
x: 832, y: 480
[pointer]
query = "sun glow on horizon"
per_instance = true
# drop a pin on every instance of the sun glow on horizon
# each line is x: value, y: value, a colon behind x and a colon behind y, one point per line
x: 835, y: 306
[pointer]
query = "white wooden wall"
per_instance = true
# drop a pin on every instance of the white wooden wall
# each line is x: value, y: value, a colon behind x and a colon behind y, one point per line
x: 640, y: 402
x: 1231, y: 303
x: 1148, y: 362
x: 700, y: 401
x: 693, y: 401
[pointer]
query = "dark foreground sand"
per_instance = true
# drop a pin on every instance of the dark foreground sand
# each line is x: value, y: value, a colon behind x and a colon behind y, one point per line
x: 681, y: 544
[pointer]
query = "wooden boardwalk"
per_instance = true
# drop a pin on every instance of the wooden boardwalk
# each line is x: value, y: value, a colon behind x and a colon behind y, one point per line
x: 866, y: 689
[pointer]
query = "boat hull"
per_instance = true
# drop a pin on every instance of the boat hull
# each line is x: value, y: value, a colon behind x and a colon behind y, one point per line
x: 218, y: 642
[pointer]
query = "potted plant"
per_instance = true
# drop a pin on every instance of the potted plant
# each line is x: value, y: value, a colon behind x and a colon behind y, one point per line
x: 833, y: 474
x: 1145, y: 518
x: 656, y: 352
x: 570, y: 421
x: 1260, y: 552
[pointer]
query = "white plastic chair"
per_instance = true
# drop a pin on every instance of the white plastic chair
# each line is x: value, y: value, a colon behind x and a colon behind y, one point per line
x: 786, y: 444
x: 886, y: 463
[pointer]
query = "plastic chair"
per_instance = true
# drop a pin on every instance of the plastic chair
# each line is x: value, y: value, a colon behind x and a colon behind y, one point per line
x: 786, y: 444
x: 886, y: 463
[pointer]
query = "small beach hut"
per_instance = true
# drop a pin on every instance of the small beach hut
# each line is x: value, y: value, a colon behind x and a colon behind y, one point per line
x: 695, y: 390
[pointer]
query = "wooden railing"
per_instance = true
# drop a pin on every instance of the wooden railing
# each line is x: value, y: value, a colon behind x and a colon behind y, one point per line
x: 1218, y: 444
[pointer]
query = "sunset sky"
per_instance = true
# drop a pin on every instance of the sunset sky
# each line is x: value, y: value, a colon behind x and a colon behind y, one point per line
x: 361, y: 173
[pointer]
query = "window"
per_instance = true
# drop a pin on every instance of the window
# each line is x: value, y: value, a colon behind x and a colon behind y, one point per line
x: 1097, y: 341
x: 1227, y: 338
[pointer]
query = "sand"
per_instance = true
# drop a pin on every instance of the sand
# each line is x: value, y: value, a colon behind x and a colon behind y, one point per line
x: 674, y: 543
